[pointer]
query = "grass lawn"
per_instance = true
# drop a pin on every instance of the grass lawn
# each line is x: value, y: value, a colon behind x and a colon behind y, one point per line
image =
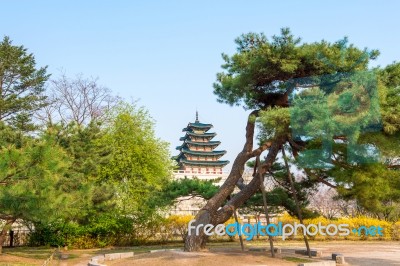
x: 295, y: 259
x: 41, y: 253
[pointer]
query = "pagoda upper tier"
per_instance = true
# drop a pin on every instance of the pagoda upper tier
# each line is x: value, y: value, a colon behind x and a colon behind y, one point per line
x: 197, y: 152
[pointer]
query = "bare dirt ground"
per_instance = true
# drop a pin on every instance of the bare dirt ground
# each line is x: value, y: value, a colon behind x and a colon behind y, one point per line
x: 365, y: 254
x: 218, y: 257
x: 356, y: 254
x: 224, y: 254
x: 8, y: 260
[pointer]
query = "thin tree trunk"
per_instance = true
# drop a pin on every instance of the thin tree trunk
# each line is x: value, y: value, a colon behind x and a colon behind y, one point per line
x: 4, y: 231
x: 262, y: 187
x: 296, y: 200
x: 240, y: 235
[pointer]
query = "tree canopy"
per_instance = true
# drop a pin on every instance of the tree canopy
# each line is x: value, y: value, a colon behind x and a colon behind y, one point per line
x: 254, y: 75
x: 78, y: 165
x: 330, y: 107
x: 22, y: 84
x: 321, y: 104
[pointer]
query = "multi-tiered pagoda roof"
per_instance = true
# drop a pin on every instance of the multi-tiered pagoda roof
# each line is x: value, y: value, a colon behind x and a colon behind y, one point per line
x: 197, y: 151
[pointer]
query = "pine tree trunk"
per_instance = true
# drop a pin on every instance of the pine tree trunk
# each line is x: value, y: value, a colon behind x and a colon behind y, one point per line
x: 211, y: 213
x: 3, y: 233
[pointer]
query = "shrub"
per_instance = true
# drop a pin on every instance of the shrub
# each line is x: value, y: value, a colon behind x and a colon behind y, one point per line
x: 396, y: 231
x: 178, y: 224
x: 101, y: 231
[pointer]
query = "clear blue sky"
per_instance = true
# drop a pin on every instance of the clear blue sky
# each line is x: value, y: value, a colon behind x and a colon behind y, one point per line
x: 166, y: 53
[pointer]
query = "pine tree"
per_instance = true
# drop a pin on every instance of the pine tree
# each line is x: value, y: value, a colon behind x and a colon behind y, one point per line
x: 21, y: 85
x: 321, y: 104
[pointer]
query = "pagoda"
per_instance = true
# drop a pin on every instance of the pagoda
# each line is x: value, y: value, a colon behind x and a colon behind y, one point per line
x: 197, y: 152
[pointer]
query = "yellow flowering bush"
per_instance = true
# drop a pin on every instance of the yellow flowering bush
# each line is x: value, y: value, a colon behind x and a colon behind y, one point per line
x: 178, y: 224
x: 396, y: 231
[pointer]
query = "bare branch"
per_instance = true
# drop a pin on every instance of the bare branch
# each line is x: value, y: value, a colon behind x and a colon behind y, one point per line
x: 78, y: 100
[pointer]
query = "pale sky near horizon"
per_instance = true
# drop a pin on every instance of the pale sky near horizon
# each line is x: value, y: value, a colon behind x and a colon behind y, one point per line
x: 166, y: 53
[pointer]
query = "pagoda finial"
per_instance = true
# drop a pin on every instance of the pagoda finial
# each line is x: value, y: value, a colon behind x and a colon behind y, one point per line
x: 197, y: 117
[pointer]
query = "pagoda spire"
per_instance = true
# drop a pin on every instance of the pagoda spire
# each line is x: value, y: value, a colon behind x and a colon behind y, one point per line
x: 197, y: 117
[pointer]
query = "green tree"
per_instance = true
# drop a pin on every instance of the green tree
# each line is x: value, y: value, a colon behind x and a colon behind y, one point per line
x: 92, y: 201
x: 174, y: 189
x: 272, y: 77
x: 139, y: 163
x: 279, y: 193
x: 29, y: 176
x: 21, y: 85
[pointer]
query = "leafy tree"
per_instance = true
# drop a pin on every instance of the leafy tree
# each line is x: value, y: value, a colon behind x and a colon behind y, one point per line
x: 29, y: 175
x: 375, y: 187
x: 188, y: 186
x: 333, y: 96
x: 279, y: 196
x: 21, y: 85
x: 93, y: 201
x: 139, y: 163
